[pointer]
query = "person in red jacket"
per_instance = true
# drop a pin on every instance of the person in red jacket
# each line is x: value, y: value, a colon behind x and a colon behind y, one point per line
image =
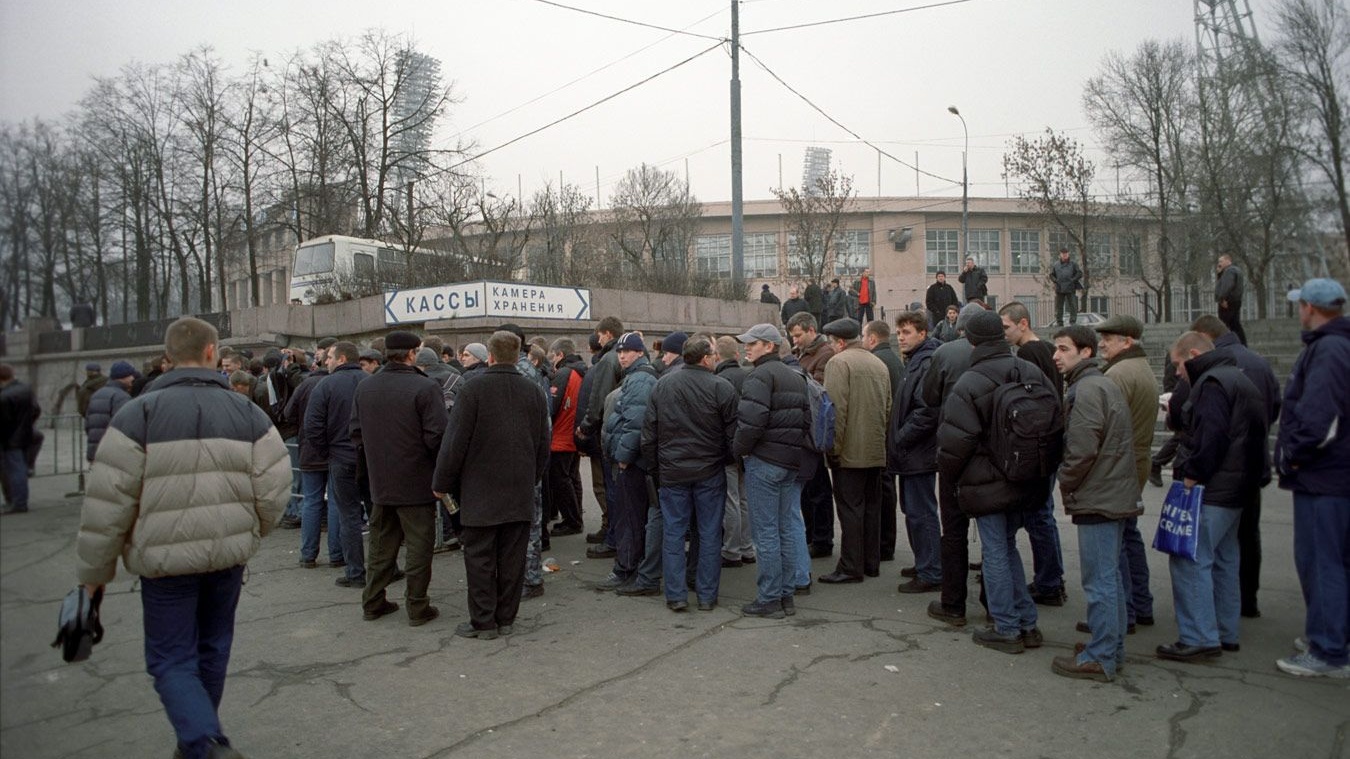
x: 867, y: 297
x: 562, y: 483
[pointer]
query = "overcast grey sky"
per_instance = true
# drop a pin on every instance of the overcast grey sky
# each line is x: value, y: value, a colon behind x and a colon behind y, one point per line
x: 1011, y: 66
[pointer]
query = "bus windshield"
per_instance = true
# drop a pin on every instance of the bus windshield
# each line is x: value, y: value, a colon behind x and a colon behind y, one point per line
x: 314, y: 259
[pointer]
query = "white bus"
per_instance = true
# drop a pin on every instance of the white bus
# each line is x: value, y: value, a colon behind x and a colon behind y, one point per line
x: 324, y: 265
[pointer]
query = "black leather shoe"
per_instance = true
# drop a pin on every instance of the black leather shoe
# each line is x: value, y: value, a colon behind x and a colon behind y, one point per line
x: 771, y: 610
x: 633, y: 589
x: 532, y: 591
x: 909, y: 572
x: 707, y: 605
x: 1155, y: 475
x: 431, y: 613
x: 388, y: 607
x: 802, y: 590
x: 1146, y: 621
x: 732, y: 563
x: 1230, y: 648
x: 467, y: 630
x: 601, y: 551
x: 346, y: 582
x: 677, y: 605
x: 941, y: 613
x: 821, y: 552
x: 1055, y: 597
x: 990, y: 638
x: 1251, y: 612
x: 564, y: 530
x: 919, y: 586
x: 1181, y: 652
x: 595, y: 537
x: 838, y: 578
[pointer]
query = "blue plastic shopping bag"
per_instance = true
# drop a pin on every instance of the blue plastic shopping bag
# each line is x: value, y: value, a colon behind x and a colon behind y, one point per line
x: 1179, y: 525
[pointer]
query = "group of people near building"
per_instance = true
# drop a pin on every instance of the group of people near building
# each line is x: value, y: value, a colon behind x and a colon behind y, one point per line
x: 718, y: 452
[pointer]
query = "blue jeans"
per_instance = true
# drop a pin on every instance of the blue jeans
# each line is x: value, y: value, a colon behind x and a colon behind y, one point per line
x: 189, y: 628
x: 1134, y: 571
x: 1321, y: 548
x: 678, y: 502
x: 342, y: 483
x: 1046, y: 555
x: 1104, y: 588
x: 14, y: 464
x: 1005, y: 582
x: 777, y: 529
x: 314, y: 485
x: 611, y: 473
x: 918, y: 502
x: 1205, y: 592
x: 294, y: 505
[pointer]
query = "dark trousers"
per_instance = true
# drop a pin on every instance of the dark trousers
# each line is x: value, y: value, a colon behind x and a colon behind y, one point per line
x: 629, y: 519
x: 414, y: 526
x: 562, y: 491
x: 598, y: 490
x: 1249, y: 551
x: 865, y: 313
x: 342, y: 481
x: 1069, y: 300
x: 955, y: 554
x: 1231, y: 316
x: 494, y: 571
x: 857, y: 493
x: 189, y: 629
x: 818, y: 508
x: 888, y: 516
x: 1167, y: 451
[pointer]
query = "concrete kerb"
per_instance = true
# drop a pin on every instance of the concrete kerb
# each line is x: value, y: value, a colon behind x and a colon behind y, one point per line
x: 860, y: 671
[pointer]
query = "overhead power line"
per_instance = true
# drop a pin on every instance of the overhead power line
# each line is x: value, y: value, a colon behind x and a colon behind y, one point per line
x: 637, y: 23
x: 837, y: 123
x: 849, y: 18
x: 583, y: 109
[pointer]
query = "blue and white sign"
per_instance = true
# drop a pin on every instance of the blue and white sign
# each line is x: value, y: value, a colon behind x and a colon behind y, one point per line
x: 481, y: 299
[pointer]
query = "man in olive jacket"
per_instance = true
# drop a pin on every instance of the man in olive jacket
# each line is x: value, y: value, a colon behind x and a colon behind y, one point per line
x: 1127, y: 365
x: 398, y: 419
x: 493, y: 458
x: 185, y: 483
x: 1096, y: 480
x: 860, y: 387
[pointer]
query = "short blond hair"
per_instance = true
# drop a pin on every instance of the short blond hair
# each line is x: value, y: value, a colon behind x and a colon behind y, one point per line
x: 186, y: 340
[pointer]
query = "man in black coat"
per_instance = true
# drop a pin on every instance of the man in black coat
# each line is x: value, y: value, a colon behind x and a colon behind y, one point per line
x: 911, y: 453
x: 687, y: 431
x: 491, y: 461
x: 1226, y: 452
x: 18, y: 411
x: 939, y: 296
x: 976, y: 281
x: 327, y: 433
x: 398, y: 418
x: 795, y: 304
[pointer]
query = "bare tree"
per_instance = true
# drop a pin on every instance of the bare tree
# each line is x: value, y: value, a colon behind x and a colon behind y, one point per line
x: 1313, y: 51
x: 248, y: 147
x: 1142, y: 107
x: 1055, y: 176
x: 654, y: 219
x: 561, y: 251
x: 815, y: 219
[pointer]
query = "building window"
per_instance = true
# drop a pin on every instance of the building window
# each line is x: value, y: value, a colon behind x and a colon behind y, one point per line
x: 1024, y: 246
x: 984, y: 248
x: 942, y: 251
x: 1099, y: 304
x: 1099, y: 253
x: 1060, y: 240
x: 761, y: 255
x: 1131, y: 256
x: 712, y: 255
x: 853, y: 252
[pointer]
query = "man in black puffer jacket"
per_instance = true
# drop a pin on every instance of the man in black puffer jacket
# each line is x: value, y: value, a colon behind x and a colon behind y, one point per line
x: 772, y: 434
x: 327, y: 438
x: 1226, y: 452
x: 911, y: 453
x: 998, y: 505
x: 687, y: 431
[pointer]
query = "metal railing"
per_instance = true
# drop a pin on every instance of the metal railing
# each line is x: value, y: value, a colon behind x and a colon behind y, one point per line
x: 63, y: 446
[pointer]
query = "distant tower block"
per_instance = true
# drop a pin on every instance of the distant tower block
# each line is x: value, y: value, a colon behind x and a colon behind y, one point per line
x: 419, y: 80
x: 815, y: 167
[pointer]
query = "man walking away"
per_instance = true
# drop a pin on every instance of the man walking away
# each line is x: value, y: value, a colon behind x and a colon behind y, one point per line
x: 18, y: 410
x: 201, y: 475
x: 492, y: 461
x: 105, y: 404
x: 1097, y: 482
x: 398, y: 419
x: 1313, y: 455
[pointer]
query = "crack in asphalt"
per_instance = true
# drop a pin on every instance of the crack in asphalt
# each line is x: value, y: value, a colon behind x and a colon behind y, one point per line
x: 281, y: 676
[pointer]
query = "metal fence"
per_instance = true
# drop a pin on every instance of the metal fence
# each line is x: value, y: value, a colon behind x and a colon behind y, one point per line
x: 63, y: 446
x: 1187, y: 304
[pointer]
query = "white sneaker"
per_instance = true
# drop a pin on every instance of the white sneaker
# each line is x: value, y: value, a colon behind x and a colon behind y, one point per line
x: 1307, y: 665
x: 1301, y: 644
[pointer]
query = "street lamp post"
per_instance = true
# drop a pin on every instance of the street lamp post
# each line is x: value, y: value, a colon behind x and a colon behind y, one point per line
x: 965, y: 187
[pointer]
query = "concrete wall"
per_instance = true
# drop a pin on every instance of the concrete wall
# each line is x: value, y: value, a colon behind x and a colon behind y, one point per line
x: 54, y: 376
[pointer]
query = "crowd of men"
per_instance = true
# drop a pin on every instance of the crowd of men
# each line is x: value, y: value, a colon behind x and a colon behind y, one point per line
x: 717, y: 452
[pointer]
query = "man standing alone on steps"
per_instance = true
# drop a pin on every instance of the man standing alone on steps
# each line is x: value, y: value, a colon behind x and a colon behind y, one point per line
x: 1228, y: 288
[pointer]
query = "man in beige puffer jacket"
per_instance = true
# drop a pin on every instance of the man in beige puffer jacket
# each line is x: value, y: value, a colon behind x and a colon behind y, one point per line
x: 187, y: 480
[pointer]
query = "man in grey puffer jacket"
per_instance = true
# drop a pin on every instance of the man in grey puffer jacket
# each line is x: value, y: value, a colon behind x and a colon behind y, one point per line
x: 201, y: 475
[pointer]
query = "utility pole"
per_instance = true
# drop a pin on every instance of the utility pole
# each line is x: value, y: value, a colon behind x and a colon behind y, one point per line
x: 737, y: 211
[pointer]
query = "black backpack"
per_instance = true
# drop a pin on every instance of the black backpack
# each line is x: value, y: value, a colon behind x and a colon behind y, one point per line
x: 1026, y: 428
